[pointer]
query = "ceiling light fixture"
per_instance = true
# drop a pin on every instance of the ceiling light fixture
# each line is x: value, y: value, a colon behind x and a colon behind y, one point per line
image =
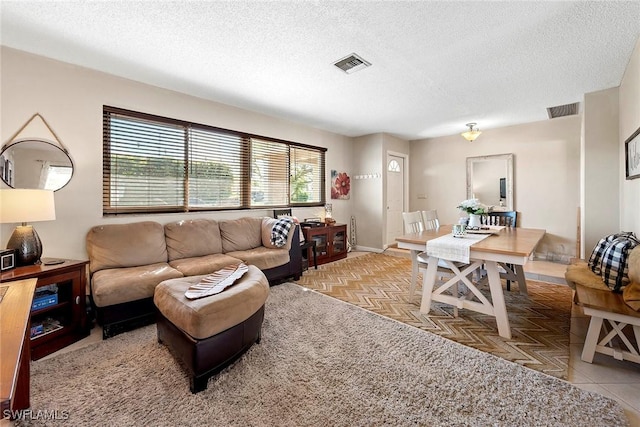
x: 472, y: 133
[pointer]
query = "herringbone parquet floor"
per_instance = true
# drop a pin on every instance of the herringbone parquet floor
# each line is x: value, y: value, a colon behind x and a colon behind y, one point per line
x: 540, y: 323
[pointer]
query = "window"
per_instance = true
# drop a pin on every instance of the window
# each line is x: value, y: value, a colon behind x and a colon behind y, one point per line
x: 156, y: 164
x: 53, y: 177
x: 307, y: 175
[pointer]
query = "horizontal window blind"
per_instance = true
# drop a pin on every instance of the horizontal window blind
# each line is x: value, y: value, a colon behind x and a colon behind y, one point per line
x: 155, y: 164
x: 215, y: 169
x: 144, y: 168
x: 269, y: 173
x: 307, y: 176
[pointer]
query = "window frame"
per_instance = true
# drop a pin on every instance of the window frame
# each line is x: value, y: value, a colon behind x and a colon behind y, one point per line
x: 245, y: 201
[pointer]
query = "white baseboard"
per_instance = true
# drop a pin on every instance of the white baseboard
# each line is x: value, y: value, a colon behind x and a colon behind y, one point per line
x: 366, y: 249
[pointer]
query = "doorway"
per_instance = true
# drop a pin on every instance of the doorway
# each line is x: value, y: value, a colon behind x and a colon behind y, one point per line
x: 396, y: 199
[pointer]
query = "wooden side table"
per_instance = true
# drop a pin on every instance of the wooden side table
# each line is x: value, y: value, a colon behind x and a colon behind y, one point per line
x: 311, y: 244
x: 68, y: 312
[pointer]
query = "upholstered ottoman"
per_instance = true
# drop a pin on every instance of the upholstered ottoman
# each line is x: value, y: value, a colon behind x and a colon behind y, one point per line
x: 208, y: 334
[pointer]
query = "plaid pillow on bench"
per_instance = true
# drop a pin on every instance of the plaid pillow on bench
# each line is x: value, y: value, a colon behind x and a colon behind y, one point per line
x: 609, y: 259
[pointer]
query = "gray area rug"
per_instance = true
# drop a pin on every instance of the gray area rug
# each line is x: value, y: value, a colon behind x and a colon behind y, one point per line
x: 321, y: 362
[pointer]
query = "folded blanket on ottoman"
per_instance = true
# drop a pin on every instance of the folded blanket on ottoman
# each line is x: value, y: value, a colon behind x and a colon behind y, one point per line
x: 216, y: 282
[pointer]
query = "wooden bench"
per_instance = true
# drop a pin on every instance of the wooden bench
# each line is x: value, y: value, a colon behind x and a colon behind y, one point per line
x: 599, y: 302
x: 605, y: 305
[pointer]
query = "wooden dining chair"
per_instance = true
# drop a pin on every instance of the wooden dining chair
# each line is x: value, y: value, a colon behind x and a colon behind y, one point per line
x: 412, y: 222
x: 506, y: 219
x: 277, y: 213
x: 305, y: 245
x: 430, y: 219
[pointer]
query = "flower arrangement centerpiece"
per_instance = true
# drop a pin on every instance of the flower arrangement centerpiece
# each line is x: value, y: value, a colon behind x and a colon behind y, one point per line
x: 474, y: 208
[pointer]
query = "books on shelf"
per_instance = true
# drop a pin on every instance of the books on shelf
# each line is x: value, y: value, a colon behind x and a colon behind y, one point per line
x: 45, y: 296
x: 45, y: 327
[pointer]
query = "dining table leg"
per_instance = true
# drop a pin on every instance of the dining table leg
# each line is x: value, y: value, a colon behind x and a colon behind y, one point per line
x: 497, y: 298
x: 428, y: 282
x: 522, y: 281
x: 414, y: 272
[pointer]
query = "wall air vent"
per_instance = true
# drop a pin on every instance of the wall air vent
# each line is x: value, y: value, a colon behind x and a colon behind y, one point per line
x: 563, y: 110
x: 352, y: 63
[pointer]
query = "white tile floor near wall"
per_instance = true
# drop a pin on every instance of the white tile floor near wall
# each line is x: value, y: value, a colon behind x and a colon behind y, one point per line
x: 619, y: 380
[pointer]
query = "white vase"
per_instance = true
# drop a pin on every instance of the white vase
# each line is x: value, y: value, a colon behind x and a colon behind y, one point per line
x: 474, y: 221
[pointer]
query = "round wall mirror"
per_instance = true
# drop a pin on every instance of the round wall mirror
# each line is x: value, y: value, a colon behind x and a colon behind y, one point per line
x: 35, y: 163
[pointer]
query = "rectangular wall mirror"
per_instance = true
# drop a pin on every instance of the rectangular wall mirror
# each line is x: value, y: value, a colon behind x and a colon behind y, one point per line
x: 490, y: 179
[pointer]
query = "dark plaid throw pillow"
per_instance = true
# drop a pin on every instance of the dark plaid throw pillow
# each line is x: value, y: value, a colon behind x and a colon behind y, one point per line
x: 609, y: 259
x: 280, y: 231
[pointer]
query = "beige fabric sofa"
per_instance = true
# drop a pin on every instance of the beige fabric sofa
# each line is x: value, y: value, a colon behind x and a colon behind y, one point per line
x: 128, y: 261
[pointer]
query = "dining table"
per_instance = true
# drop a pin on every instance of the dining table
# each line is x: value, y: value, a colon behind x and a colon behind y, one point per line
x: 508, y: 246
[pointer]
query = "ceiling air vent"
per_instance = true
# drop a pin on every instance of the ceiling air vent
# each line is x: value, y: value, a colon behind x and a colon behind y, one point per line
x: 352, y: 63
x: 563, y: 110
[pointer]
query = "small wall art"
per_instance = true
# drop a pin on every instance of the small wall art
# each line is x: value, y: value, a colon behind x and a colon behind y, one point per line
x: 632, y: 155
x: 340, y: 185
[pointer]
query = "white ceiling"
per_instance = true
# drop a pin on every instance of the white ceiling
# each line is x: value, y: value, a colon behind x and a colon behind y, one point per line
x: 436, y: 65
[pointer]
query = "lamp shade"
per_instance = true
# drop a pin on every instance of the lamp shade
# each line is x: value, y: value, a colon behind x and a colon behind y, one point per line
x: 26, y: 205
x: 472, y: 133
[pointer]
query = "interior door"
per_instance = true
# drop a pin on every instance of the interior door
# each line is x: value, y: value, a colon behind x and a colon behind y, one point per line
x: 395, y: 197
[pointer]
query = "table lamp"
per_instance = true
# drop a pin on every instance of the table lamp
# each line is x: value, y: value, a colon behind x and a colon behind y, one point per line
x: 25, y: 205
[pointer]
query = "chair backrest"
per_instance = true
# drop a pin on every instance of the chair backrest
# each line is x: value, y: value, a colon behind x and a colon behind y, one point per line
x: 430, y: 219
x: 507, y: 219
x: 412, y: 222
x: 277, y: 213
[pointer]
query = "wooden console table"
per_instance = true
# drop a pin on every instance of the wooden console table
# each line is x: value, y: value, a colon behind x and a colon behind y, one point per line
x: 15, y: 309
x: 70, y: 309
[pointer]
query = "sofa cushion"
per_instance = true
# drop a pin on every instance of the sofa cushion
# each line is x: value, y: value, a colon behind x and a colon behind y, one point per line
x: 117, y: 285
x: 192, y: 238
x: 241, y: 234
x: 126, y: 245
x: 267, y: 226
x: 203, y: 264
x: 204, y: 317
x: 262, y: 257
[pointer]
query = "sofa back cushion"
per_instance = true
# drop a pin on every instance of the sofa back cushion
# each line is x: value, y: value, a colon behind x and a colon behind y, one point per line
x: 241, y: 234
x: 192, y: 238
x: 126, y: 245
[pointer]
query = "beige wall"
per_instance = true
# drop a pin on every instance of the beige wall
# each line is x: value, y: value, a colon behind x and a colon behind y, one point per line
x: 71, y: 99
x: 546, y: 176
x: 546, y: 172
x: 600, y: 169
x: 629, y: 97
x: 368, y: 193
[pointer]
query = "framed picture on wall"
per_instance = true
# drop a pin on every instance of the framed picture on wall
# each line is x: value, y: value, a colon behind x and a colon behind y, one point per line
x: 632, y: 155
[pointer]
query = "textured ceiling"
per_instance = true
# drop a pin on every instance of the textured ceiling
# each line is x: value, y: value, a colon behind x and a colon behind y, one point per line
x: 436, y: 65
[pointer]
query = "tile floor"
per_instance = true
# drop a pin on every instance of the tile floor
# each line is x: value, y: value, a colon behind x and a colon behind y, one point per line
x: 619, y: 380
